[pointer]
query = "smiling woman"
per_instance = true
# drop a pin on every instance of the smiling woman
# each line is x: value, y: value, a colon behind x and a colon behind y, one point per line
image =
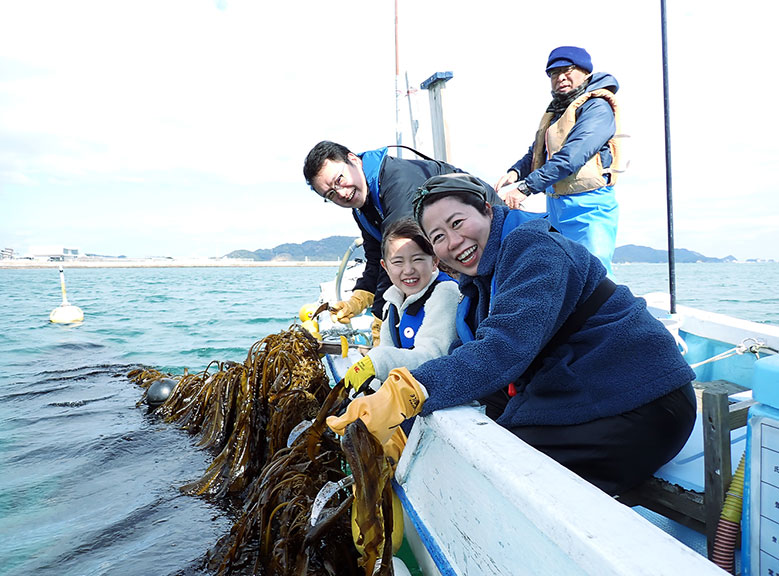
x: 555, y: 351
x: 458, y: 229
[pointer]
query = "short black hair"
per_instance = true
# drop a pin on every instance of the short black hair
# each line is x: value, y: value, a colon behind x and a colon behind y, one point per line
x: 323, y: 151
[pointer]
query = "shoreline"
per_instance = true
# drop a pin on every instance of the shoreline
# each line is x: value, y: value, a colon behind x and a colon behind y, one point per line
x: 16, y: 264
x: 23, y: 264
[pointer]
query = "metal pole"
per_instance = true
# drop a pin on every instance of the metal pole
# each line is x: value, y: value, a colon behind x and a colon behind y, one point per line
x: 434, y: 85
x: 398, y: 135
x: 411, y: 115
x: 668, y: 178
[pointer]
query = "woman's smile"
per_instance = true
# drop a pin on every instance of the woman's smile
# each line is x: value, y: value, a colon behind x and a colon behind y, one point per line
x: 458, y: 232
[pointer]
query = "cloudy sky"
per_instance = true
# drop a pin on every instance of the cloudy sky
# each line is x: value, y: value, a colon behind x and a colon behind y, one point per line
x: 179, y: 127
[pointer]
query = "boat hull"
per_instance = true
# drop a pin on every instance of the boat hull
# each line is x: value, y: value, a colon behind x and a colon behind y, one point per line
x: 488, y: 503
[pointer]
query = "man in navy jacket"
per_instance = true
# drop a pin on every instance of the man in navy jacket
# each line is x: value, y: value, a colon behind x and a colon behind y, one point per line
x: 575, y: 157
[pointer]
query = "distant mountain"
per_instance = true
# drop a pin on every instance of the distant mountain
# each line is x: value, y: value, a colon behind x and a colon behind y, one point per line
x: 633, y: 253
x: 334, y: 247
x: 330, y: 248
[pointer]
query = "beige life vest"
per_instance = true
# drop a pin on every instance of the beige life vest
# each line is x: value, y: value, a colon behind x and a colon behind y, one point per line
x: 550, y: 138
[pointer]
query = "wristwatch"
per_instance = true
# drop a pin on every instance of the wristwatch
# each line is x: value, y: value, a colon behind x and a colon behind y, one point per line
x: 523, y: 189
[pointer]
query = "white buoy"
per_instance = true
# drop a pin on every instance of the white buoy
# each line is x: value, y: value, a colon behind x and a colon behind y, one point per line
x: 65, y: 313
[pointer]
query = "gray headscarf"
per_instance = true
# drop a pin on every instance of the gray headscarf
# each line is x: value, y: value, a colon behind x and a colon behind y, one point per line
x: 446, y: 184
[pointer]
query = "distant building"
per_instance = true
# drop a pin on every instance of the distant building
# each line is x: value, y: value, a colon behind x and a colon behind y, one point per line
x: 55, y: 253
x: 6, y: 254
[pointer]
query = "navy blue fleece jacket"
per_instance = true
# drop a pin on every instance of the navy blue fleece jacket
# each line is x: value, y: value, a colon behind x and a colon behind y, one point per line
x: 620, y: 359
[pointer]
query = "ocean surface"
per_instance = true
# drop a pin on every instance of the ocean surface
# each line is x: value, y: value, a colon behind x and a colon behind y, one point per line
x: 89, y: 481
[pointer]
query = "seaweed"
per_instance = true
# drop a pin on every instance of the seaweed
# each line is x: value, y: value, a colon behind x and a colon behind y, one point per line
x: 373, y: 511
x: 243, y: 413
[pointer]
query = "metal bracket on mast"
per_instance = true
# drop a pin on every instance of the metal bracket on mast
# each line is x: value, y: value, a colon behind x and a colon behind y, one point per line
x: 434, y: 85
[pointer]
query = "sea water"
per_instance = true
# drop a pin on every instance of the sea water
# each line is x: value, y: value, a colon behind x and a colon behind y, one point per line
x: 89, y: 481
x: 747, y: 290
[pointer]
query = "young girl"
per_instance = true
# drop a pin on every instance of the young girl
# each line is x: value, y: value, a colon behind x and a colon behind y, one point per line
x: 418, y: 324
x: 419, y: 314
x: 568, y: 361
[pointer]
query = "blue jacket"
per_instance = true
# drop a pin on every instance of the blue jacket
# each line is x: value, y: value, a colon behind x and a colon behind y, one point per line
x: 595, y: 125
x: 620, y: 359
x: 392, y: 184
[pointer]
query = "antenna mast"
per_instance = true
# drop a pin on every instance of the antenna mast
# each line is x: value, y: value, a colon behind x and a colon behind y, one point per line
x: 668, y: 179
x: 398, y: 135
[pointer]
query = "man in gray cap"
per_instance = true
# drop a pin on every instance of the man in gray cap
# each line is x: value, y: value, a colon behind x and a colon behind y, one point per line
x: 575, y: 156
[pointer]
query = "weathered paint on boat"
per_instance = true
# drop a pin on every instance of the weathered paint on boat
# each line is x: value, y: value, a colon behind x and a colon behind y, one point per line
x: 494, y: 505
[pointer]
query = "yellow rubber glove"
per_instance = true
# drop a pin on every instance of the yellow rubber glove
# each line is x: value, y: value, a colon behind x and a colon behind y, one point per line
x: 359, y: 373
x: 344, y: 310
x: 400, y: 397
x: 376, y: 330
x: 393, y: 448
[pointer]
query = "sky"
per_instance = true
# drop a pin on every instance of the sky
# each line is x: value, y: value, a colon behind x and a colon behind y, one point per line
x: 179, y: 127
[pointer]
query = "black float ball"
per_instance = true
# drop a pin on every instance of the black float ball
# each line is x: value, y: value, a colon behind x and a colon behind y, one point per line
x: 159, y: 391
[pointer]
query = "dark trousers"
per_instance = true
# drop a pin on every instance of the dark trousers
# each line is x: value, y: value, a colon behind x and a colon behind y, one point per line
x: 618, y: 452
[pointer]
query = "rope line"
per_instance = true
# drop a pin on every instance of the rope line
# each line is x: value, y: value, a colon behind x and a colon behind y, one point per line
x: 752, y: 345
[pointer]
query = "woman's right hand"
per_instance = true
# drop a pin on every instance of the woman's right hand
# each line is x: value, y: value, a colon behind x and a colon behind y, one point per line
x: 399, y: 398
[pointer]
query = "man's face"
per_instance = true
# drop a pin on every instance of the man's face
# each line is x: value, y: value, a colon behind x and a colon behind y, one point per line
x: 566, y: 78
x: 342, y: 183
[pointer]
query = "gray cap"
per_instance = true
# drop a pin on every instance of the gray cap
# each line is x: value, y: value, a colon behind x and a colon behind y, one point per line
x: 446, y: 184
